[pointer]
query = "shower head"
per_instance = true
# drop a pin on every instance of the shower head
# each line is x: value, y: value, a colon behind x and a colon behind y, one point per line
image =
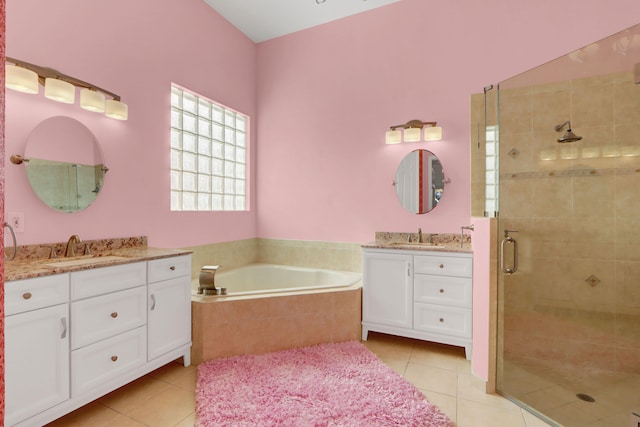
x: 568, y: 136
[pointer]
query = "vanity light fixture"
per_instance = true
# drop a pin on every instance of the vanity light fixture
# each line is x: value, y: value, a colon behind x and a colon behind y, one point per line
x: 25, y: 77
x: 413, y: 132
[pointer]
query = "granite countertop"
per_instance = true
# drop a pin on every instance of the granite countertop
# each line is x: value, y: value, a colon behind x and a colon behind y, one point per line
x: 452, y: 247
x: 26, y: 267
x: 431, y: 242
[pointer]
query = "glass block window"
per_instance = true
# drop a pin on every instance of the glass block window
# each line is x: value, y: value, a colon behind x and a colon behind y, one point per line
x: 492, y: 171
x: 208, y: 155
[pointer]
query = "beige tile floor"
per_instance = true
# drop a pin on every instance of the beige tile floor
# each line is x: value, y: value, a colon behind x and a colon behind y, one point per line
x: 165, y: 397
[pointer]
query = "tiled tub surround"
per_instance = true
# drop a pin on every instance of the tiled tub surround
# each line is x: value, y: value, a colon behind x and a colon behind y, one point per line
x: 230, y: 326
x: 299, y: 253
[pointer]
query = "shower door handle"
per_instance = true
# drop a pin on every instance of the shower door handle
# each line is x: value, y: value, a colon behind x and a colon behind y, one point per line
x: 508, y: 241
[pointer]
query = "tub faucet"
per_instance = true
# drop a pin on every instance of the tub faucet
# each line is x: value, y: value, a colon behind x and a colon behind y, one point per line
x: 71, y: 245
x: 207, y: 280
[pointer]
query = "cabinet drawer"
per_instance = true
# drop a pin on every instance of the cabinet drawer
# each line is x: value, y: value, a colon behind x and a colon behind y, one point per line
x: 98, y: 363
x: 443, y: 265
x: 101, y: 317
x: 39, y: 292
x: 451, y: 291
x: 169, y: 268
x: 443, y: 320
x: 98, y: 281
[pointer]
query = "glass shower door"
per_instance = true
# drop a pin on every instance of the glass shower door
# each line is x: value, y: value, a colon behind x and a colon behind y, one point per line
x: 569, y: 233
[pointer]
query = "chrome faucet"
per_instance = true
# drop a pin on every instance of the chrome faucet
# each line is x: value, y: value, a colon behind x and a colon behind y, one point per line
x: 465, y: 227
x: 71, y: 245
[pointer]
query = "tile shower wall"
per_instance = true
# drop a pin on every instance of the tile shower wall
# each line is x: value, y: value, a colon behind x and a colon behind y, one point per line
x: 299, y: 253
x: 576, y: 299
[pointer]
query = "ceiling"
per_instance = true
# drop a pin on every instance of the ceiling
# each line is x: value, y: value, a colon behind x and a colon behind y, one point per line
x: 262, y: 20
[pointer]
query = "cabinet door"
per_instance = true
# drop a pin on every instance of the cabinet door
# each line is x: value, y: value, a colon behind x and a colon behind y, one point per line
x: 36, y: 361
x: 387, y: 294
x: 169, y: 320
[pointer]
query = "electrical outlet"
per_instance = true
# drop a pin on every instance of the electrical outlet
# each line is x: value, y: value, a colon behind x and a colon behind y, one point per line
x: 16, y: 221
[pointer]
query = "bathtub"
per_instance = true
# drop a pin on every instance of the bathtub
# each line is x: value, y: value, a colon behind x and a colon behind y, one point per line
x: 274, y: 307
x: 257, y: 279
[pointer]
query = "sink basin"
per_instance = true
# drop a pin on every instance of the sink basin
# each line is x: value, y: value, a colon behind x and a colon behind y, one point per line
x: 63, y: 262
x: 416, y: 244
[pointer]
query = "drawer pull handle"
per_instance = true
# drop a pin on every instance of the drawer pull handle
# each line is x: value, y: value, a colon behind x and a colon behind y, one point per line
x: 114, y: 358
x: 27, y: 295
x: 153, y: 302
x: 441, y: 320
x: 173, y: 267
x: 441, y: 265
x: 442, y: 291
x: 114, y: 314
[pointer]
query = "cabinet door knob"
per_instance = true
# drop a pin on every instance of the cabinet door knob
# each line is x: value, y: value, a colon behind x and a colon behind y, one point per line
x: 114, y: 314
x: 442, y: 291
x: 26, y: 295
x: 114, y: 358
x: 441, y: 320
x: 173, y: 267
x: 441, y: 265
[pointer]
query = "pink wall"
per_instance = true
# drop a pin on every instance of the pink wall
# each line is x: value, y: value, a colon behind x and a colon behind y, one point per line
x: 135, y: 49
x: 327, y: 95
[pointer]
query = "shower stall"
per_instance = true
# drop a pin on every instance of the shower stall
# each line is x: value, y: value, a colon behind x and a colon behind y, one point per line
x: 556, y: 162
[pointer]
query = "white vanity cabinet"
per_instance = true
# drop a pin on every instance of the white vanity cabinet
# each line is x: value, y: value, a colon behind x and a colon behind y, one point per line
x: 169, y: 322
x: 74, y: 337
x: 388, y: 290
x: 36, y: 346
x: 418, y: 294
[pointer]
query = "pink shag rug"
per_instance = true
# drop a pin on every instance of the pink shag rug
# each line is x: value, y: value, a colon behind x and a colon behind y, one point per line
x: 341, y: 384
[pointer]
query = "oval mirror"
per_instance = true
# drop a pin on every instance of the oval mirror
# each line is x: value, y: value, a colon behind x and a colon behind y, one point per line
x: 64, y: 164
x: 420, y: 181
